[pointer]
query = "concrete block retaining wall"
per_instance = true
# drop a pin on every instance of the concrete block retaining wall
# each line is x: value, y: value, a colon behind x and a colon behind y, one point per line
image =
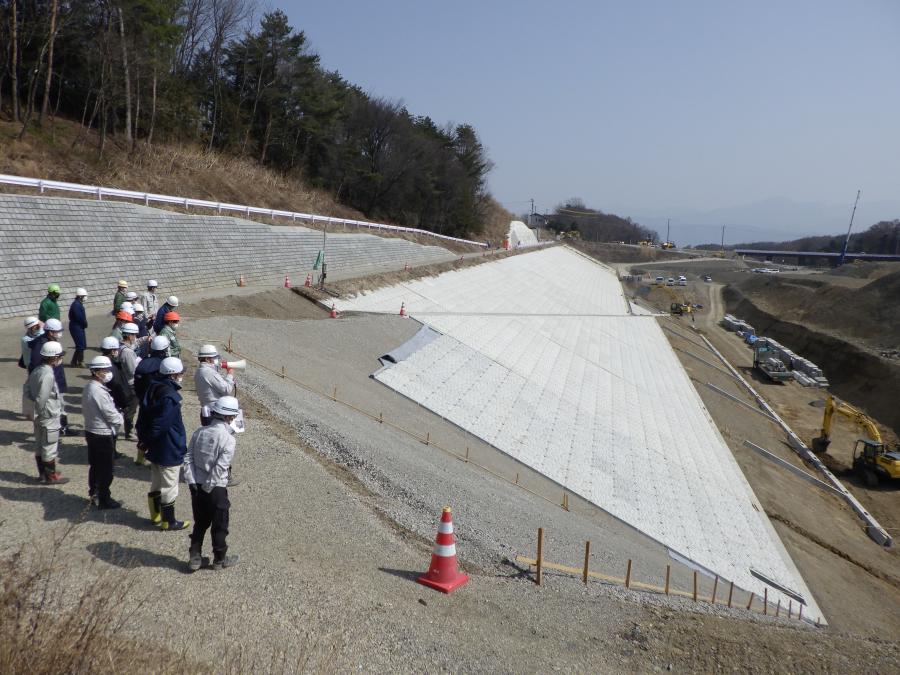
x: 92, y: 244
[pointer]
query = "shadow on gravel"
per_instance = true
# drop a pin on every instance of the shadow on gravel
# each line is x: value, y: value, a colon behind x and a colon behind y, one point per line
x: 14, y: 416
x: 128, y: 557
x: 16, y: 477
x: 403, y: 574
x: 517, y: 571
x: 57, y: 505
x: 8, y: 438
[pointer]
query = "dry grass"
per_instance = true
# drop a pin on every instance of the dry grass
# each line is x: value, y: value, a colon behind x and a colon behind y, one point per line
x: 64, y: 152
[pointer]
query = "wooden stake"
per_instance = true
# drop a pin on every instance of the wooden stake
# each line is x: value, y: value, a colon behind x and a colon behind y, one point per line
x: 800, y: 614
x: 668, y: 573
x: 695, y: 585
x: 380, y: 418
x: 790, y: 608
x: 517, y: 477
x: 539, y: 576
x: 817, y: 622
x: 334, y: 394
x: 587, y: 558
x: 565, y: 502
x: 712, y: 600
x: 730, y: 593
x: 778, y: 607
x: 428, y: 438
x: 467, y: 459
x: 282, y: 372
x: 766, y: 600
x: 750, y: 601
x: 628, y: 575
x: 230, y: 335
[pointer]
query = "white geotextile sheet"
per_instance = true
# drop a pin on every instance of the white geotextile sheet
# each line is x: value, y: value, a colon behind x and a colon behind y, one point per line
x: 520, y: 235
x: 597, y: 402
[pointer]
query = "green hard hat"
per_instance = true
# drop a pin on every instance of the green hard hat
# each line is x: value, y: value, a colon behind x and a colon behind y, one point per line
x: 53, y: 288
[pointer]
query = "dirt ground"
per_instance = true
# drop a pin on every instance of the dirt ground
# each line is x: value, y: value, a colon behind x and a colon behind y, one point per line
x: 328, y: 577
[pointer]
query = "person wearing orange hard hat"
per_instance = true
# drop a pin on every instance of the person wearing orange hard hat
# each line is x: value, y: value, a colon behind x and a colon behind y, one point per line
x: 122, y: 317
x: 171, y: 320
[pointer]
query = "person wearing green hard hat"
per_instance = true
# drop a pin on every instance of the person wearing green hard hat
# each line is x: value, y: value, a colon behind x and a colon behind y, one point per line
x: 49, y: 308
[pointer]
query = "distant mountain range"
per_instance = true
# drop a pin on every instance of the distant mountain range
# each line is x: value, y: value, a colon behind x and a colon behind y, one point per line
x: 774, y: 219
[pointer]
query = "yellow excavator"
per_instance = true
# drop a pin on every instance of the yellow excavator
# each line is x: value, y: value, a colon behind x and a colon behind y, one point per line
x: 869, y: 456
x: 678, y: 306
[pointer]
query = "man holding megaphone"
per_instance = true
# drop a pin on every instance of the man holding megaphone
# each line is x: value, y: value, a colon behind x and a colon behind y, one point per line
x: 211, y: 385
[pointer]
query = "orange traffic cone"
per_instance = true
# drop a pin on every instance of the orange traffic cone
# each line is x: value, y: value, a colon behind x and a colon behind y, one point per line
x: 444, y: 574
x: 406, y: 267
x: 287, y: 282
x: 308, y: 281
x: 334, y: 313
x: 241, y: 281
x: 402, y: 309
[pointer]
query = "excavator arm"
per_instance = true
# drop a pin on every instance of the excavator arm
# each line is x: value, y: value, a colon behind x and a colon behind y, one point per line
x: 832, y: 406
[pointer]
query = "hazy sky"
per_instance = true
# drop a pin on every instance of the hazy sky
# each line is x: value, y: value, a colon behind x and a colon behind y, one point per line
x: 649, y: 109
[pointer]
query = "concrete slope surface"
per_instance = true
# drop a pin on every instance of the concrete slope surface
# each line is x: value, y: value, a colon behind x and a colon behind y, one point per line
x: 540, y: 356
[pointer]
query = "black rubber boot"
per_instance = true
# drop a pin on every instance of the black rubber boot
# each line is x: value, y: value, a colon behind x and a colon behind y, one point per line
x: 223, y: 561
x: 195, y: 557
x: 40, y: 466
x: 105, y: 503
x: 169, y: 522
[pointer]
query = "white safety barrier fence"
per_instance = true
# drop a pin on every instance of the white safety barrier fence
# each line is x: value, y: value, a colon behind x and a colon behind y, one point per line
x: 148, y: 198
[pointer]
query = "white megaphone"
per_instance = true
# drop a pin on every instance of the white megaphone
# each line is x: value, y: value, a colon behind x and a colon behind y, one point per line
x: 235, y: 365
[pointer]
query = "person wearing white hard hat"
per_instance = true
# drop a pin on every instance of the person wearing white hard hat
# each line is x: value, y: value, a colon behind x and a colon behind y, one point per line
x: 77, y: 326
x: 102, y: 421
x: 122, y: 394
x: 126, y: 364
x: 162, y: 432
x: 139, y: 317
x: 211, y: 386
x: 33, y: 329
x: 43, y: 390
x: 146, y: 373
x: 170, y: 305
x: 206, y: 467
x: 53, y: 330
x: 121, y: 290
x: 150, y: 300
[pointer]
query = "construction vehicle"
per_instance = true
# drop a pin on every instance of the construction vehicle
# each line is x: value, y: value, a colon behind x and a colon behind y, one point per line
x: 667, y: 245
x: 678, y: 306
x: 646, y: 242
x: 766, y: 361
x: 870, y: 459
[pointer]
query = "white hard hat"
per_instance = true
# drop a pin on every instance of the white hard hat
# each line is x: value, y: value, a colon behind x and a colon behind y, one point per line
x: 100, y: 362
x: 159, y: 344
x: 172, y: 301
x: 126, y: 307
x: 31, y: 321
x: 226, y: 405
x: 51, y: 348
x: 80, y: 292
x: 171, y: 366
x: 130, y: 328
x: 138, y: 307
x: 207, y: 352
x: 152, y: 283
x: 131, y: 295
x: 53, y: 325
x: 109, y: 343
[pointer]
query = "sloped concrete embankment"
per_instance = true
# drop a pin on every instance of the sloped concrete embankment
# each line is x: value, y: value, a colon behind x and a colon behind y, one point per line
x: 78, y: 242
x: 856, y: 375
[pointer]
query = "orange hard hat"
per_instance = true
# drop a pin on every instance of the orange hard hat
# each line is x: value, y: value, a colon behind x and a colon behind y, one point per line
x: 123, y: 315
x: 171, y: 316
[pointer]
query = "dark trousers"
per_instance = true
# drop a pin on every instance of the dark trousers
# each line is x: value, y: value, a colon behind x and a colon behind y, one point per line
x: 128, y: 413
x: 77, y: 357
x: 205, y: 421
x: 101, y: 450
x: 211, y: 511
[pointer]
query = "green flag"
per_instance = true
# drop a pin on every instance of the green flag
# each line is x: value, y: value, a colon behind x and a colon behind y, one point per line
x: 319, y: 259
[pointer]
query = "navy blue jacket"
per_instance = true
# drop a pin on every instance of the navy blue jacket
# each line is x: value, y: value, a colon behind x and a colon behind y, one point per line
x: 59, y: 372
x: 142, y: 327
x: 146, y: 373
x: 77, y: 324
x: 163, y: 431
x: 158, y: 321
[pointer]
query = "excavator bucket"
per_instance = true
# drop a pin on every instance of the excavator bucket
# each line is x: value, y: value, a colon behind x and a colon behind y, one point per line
x: 820, y: 444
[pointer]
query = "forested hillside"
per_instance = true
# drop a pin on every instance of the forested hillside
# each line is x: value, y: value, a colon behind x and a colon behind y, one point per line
x: 202, y: 72
x: 594, y: 225
x: 883, y: 237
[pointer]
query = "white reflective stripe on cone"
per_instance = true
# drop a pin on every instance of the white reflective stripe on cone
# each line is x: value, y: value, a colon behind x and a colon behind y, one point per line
x: 444, y: 551
x: 445, y: 528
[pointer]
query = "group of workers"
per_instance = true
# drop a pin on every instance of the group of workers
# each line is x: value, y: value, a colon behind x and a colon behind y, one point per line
x: 138, y: 371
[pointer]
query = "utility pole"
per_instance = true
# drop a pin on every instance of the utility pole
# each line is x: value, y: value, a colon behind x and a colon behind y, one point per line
x: 847, y: 240
x: 667, y: 231
x: 723, y: 238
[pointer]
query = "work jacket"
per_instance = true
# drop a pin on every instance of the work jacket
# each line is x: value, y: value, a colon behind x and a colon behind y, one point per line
x: 158, y: 321
x: 44, y: 391
x: 49, y: 309
x: 174, y: 345
x: 99, y: 410
x: 209, y: 455
x: 119, y: 298
x: 211, y: 386
x: 163, y: 433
